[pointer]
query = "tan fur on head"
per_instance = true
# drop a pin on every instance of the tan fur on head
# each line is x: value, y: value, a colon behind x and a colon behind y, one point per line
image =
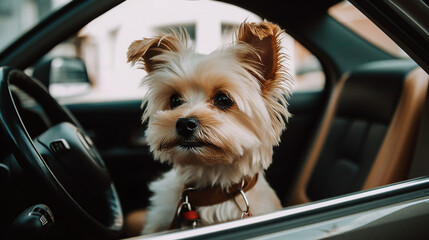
x: 145, y: 50
x: 264, y: 37
x: 237, y: 141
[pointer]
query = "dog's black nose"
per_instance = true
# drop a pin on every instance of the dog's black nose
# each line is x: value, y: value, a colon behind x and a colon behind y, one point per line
x: 185, y: 127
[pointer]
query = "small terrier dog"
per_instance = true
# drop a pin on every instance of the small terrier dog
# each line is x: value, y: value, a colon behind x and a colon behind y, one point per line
x: 215, y: 118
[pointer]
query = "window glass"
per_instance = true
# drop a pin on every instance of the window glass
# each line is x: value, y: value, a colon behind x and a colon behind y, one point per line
x: 18, y: 16
x: 103, y: 43
x: 347, y: 14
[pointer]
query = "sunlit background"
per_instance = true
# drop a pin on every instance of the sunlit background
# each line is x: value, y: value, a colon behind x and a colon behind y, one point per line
x: 103, y: 43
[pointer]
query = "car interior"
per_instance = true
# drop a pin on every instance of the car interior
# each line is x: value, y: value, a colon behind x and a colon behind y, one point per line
x: 355, y: 147
x: 357, y: 133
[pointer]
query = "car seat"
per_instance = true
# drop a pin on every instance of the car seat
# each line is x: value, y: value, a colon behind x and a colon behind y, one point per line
x: 368, y: 132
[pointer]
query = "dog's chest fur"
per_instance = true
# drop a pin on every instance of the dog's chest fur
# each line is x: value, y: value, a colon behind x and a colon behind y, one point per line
x: 168, y: 189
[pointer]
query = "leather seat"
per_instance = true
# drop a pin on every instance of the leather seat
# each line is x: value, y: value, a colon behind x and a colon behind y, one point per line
x: 367, y: 136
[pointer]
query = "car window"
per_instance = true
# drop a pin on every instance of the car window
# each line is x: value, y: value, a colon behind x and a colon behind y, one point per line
x: 18, y: 16
x: 103, y: 43
x: 349, y: 16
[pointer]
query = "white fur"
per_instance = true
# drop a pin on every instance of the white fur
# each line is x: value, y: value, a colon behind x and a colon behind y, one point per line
x: 169, y: 187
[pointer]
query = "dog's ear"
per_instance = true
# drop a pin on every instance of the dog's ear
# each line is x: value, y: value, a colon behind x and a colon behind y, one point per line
x: 260, y: 51
x: 146, y: 51
x: 265, y: 40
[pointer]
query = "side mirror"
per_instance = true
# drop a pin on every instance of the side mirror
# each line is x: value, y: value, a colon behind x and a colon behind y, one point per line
x: 63, y: 76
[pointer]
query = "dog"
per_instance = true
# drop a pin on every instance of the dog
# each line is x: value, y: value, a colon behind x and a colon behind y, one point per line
x: 215, y: 118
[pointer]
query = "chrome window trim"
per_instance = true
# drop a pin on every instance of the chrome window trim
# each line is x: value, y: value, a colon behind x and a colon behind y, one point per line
x: 296, y: 211
x: 340, y: 225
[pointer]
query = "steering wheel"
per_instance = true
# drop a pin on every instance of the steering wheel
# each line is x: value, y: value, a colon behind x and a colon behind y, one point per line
x: 62, y: 162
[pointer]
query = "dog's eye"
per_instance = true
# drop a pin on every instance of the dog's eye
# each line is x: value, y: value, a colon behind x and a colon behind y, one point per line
x: 222, y: 101
x: 175, y: 101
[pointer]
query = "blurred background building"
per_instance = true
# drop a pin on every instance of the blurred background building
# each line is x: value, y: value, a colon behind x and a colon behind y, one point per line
x: 103, y: 43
